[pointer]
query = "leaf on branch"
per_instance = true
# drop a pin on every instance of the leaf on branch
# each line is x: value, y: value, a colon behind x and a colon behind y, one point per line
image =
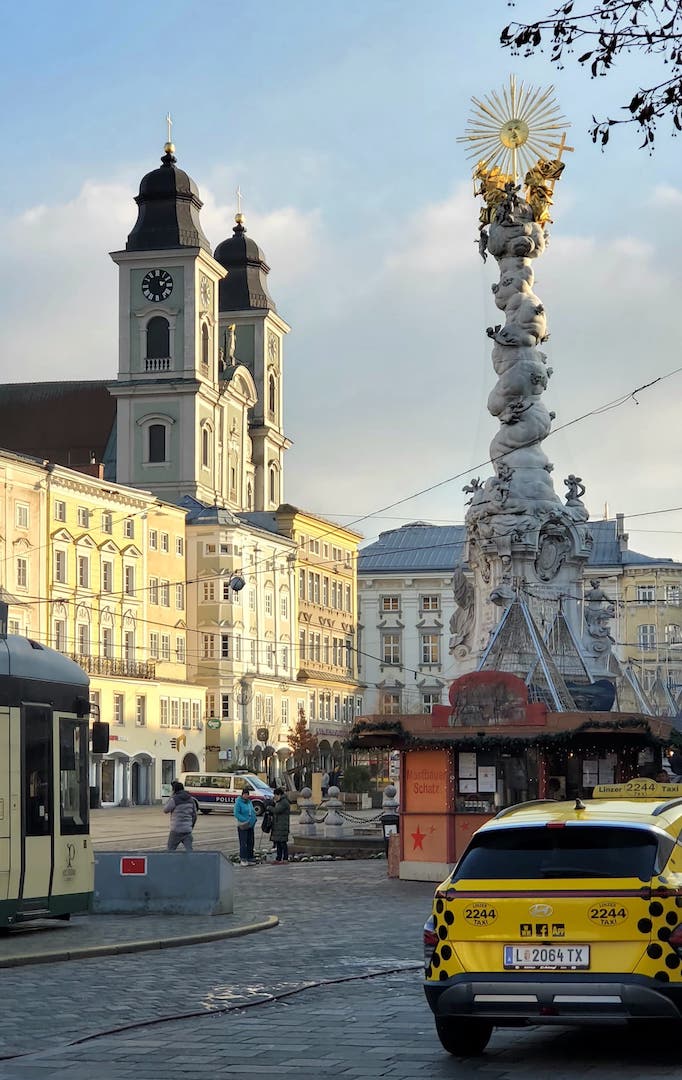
x: 584, y: 57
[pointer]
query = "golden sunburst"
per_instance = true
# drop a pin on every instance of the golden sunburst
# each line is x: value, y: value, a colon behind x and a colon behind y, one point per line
x: 514, y: 127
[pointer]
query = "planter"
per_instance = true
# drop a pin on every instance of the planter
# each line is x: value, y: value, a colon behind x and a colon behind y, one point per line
x: 356, y: 800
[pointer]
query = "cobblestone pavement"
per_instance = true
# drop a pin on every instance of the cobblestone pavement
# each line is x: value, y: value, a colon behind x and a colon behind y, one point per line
x: 340, y: 920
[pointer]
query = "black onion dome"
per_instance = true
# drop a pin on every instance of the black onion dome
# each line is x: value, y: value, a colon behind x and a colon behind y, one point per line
x: 246, y: 283
x: 168, y: 214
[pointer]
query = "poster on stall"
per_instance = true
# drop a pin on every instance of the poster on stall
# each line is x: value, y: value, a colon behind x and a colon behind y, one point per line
x: 467, y: 787
x: 487, y: 779
x: 590, y: 772
x: 467, y: 767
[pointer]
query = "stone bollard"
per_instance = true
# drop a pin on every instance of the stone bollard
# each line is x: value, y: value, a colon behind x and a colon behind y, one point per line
x: 333, y: 823
x: 306, y: 825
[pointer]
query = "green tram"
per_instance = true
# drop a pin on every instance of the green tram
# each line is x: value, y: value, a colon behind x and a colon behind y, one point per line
x: 46, y: 858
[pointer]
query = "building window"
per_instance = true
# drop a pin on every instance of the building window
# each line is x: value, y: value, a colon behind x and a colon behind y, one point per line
x: 284, y: 714
x: 205, y: 345
x: 325, y: 592
x: 140, y: 710
x: 107, y: 523
x: 118, y: 709
x: 175, y: 712
x: 224, y: 646
x: 253, y: 647
x: 301, y: 584
x: 153, y: 540
x: 274, y: 493
x: 83, y: 638
x: 107, y: 576
x: 180, y: 546
x: 269, y: 709
x: 428, y: 701
x: 430, y: 603
x: 196, y: 714
x: 83, y: 517
x: 83, y: 571
x: 208, y: 591
x: 107, y: 642
x: 165, y: 647
x: 59, y: 510
x: 301, y: 645
x: 153, y: 590
x: 165, y: 543
x: 208, y: 646
x: 646, y: 594
x: 180, y: 649
x: 184, y: 710
x: 672, y: 594
x: 285, y: 656
x: 129, y: 580
x: 129, y: 644
x: 646, y: 635
x: 205, y: 448
x: 225, y: 706
x: 157, y: 443
x: 158, y: 338
x: 268, y: 602
x: 390, y: 648
x: 154, y: 645
x: 163, y: 712
x: 164, y: 593
x: 179, y: 597
x: 60, y: 566
x: 390, y: 704
x: 673, y: 634
x: 60, y: 635
x: 21, y: 515
x: 390, y: 603
x: 272, y: 397
x: 129, y: 528
x: 252, y: 599
x: 430, y: 648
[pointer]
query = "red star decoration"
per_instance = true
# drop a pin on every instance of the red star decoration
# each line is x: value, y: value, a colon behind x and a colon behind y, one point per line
x: 418, y: 838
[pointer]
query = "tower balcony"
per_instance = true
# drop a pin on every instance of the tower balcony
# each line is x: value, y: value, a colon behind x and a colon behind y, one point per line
x: 157, y: 363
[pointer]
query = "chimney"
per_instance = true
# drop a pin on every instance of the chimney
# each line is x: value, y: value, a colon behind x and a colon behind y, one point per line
x: 94, y: 468
x: 621, y: 536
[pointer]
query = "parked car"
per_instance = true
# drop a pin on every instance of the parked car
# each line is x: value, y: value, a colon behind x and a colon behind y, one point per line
x: 561, y: 913
x: 220, y: 791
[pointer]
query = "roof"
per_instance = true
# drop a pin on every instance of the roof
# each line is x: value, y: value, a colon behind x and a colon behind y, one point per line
x: 606, y: 548
x: 63, y: 422
x: 246, y: 283
x: 168, y: 210
x: 417, y: 546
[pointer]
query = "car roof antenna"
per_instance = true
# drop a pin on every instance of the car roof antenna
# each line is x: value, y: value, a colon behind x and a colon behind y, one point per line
x: 579, y: 805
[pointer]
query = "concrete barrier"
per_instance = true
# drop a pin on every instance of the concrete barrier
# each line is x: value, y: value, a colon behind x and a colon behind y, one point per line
x: 163, y: 883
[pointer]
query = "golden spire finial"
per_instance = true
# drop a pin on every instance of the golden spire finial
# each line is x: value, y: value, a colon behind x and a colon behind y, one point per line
x: 239, y: 217
x: 169, y: 148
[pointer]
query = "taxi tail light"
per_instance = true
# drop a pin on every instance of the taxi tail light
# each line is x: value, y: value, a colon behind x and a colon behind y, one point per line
x: 430, y: 939
x: 675, y: 939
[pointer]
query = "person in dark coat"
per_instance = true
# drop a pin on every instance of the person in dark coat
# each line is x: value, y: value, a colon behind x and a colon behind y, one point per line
x: 281, y: 813
x: 183, y: 811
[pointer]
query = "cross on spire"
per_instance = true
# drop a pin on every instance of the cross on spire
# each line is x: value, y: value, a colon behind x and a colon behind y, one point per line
x: 170, y: 125
x: 239, y: 199
x: 561, y: 146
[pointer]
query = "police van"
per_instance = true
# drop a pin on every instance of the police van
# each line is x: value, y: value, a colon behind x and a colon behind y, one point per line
x: 220, y: 791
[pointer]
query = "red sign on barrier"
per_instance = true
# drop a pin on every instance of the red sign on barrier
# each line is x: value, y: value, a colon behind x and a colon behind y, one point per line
x: 134, y: 865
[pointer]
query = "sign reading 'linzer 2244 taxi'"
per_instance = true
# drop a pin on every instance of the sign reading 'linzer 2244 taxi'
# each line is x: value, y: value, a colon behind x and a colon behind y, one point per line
x: 426, y: 788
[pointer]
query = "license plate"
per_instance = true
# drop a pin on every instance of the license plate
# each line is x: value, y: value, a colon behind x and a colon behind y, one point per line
x: 554, y: 957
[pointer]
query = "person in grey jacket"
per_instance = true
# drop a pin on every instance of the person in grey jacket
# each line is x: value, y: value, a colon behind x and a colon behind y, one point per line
x: 183, y: 811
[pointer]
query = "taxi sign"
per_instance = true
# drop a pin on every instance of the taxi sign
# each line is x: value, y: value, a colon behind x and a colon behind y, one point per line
x: 638, y: 788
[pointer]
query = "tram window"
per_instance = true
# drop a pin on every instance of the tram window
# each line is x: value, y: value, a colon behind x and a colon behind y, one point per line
x: 73, y: 741
x: 38, y: 770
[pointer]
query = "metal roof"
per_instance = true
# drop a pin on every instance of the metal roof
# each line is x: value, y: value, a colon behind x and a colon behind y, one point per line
x: 417, y: 546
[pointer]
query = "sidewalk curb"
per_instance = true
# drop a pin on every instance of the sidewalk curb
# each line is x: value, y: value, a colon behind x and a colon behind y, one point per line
x: 116, y: 948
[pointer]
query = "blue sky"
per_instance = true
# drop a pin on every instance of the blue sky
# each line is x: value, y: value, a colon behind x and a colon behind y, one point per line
x: 339, y: 122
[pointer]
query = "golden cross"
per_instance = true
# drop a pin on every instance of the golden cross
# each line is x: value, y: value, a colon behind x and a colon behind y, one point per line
x: 561, y: 146
x: 170, y: 125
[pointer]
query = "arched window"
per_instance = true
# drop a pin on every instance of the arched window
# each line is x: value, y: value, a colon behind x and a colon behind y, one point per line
x: 272, y: 396
x: 205, y: 345
x: 274, y: 493
x: 158, y: 338
x: 157, y: 442
x: 206, y: 447
x: 249, y: 497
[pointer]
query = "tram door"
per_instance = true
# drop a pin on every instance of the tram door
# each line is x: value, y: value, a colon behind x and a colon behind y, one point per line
x: 37, y: 796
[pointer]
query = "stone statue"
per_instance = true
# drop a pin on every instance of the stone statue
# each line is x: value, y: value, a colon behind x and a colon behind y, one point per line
x: 598, y: 611
x: 462, y: 620
x: 576, y: 489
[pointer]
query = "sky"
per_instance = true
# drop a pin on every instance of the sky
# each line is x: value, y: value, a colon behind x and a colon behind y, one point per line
x: 339, y: 123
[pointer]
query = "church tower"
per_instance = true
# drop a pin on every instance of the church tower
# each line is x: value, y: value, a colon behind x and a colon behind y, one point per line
x: 181, y: 429
x: 252, y: 334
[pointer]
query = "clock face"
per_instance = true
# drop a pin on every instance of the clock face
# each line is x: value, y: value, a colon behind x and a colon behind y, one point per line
x: 157, y: 285
x: 205, y: 291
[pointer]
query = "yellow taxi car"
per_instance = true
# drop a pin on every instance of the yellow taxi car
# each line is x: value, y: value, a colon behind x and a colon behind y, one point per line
x: 561, y: 913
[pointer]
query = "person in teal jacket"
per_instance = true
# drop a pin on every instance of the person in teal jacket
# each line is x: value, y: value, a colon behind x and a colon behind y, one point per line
x: 245, y: 816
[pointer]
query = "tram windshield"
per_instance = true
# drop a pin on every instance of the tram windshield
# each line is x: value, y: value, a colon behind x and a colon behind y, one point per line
x: 73, y: 761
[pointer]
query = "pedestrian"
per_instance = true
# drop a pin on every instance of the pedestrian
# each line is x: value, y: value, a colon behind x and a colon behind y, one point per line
x: 281, y: 813
x: 183, y: 811
x: 325, y: 784
x: 245, y: 816
x: 297, y: 779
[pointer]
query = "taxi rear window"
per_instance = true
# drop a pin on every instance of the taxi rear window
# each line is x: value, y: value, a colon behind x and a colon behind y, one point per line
x: 575, y: 851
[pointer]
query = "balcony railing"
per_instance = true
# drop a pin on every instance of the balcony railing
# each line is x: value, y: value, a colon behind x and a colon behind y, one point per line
x: 157, y: 363
x: 107, y: 665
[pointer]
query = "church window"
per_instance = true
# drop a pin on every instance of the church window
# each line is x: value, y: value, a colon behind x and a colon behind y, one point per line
x: 249, y: 497
x: 274, y: 493
x: 205, y: 346
x: 158, y: 338
x: 206, y: 447
x: 157, y: 442
x: 272, y: 397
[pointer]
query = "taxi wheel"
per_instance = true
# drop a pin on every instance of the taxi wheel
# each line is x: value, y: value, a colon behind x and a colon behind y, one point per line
x: 463, y: 1037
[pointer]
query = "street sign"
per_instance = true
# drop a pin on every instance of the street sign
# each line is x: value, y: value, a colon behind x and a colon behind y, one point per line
x: 213, y: 723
